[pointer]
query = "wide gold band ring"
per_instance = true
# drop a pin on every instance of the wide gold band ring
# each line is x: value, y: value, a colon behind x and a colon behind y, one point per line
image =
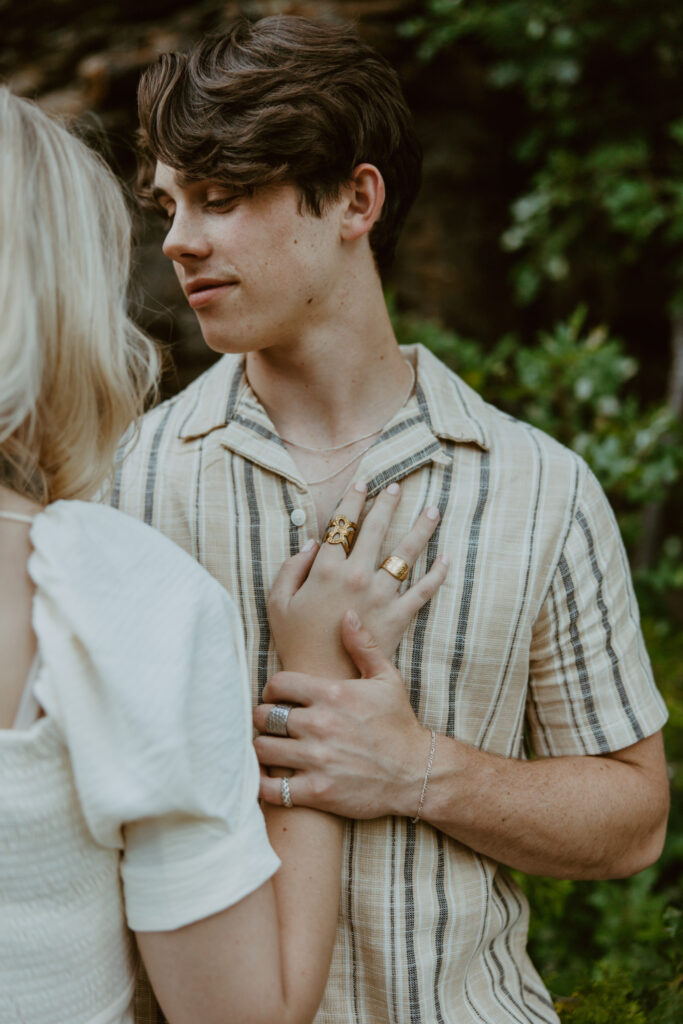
x: 396, y: 567
x: 341, y: 530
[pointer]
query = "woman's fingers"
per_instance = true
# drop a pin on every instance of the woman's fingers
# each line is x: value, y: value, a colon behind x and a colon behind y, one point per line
x: 349, y: 509
x: 409, y: 604
x: 375, y: 526
x: 293, y: 572
x: 410, y: 547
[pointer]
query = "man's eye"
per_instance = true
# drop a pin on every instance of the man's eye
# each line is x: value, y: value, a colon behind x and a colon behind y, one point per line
x: 165, y: 214
x: 221, y: 203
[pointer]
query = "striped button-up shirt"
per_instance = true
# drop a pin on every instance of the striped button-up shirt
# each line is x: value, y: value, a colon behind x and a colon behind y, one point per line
x: 532, y: 642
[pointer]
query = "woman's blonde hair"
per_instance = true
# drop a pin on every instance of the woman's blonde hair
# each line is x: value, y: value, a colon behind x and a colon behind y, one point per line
x: 74, y: 369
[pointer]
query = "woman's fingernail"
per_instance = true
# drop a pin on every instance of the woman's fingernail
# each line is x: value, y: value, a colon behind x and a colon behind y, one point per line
x: 360, y: 486
x: 310, y: 543
x: 445, y: 559
x: 354, y: 621
x: 393, y: 488
x: 432, y: 512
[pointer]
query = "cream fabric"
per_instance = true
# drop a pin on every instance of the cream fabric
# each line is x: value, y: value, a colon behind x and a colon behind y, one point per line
x: 536, y: 627
x: 134, y: 798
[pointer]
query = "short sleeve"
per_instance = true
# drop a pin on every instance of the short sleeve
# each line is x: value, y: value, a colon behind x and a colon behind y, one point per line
x: 591, y: 689
x: 145, y: 674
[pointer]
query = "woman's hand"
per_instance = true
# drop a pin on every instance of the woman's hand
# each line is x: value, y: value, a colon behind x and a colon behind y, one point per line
x: 309, y: 597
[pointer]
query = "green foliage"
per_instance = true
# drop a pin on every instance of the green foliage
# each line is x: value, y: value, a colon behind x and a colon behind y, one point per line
x: 572, y: 383
x: 611, y: 952
x: 599, y: 85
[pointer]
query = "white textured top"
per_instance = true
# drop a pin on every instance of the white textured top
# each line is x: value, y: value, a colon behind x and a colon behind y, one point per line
x: 141, y: 772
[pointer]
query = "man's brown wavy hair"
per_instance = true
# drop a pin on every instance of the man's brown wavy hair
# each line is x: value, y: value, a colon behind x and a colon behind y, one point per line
x: 282, y: 100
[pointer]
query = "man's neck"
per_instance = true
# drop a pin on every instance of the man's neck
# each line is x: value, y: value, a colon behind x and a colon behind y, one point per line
x: 335, y: 384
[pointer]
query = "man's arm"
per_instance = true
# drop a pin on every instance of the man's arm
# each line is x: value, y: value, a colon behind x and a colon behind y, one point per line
x: 359, y: 751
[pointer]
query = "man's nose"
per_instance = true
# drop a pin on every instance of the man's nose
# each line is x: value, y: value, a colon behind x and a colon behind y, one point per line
x: 185, y: 239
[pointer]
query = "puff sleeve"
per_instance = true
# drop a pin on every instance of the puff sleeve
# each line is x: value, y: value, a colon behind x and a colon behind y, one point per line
x: 145, y: 673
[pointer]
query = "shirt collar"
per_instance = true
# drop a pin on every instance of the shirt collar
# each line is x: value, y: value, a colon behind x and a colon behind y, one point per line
x: 448, y: 407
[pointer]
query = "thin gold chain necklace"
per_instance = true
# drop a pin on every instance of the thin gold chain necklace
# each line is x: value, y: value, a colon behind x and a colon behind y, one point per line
x: 363, y: 437
x: 358, y: 455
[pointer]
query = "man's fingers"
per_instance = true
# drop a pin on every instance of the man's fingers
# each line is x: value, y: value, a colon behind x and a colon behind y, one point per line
x: 293, y: 572
x: 262, y: 712
x: 409, y: 604
x: 367, y: 656
x: 276, y: 751
x: 300, y: 790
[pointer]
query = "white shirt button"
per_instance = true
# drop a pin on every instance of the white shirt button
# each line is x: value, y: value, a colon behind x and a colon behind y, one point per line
x: 298, y: 517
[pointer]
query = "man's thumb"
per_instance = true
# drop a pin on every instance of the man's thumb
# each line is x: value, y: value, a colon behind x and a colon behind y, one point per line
x: 362, y: 646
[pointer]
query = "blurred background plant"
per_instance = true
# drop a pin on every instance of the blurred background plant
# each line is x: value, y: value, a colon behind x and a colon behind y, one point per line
x: 612, y: 951
x: 596, y: 212
x: 544, y: 262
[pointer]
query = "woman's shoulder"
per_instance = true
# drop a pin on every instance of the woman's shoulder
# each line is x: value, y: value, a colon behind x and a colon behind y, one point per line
x: 122, y: 588
x: 88, y: 543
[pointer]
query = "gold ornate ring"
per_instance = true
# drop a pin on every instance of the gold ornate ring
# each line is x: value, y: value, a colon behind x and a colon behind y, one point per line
x: 396, y: 567
x: 341, y: 530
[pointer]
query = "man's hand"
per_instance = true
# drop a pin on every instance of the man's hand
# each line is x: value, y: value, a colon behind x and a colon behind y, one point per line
x: 356, y: 746
x: 358, y: 751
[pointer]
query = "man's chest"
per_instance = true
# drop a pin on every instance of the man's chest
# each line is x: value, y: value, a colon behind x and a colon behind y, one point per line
x: 465, y: 658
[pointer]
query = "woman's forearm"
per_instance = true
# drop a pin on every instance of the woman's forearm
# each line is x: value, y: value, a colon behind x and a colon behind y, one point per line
x: 307, y: 898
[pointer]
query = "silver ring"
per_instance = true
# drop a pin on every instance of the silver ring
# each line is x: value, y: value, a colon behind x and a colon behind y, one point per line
x: 276, y: 723
x: 285, y: 793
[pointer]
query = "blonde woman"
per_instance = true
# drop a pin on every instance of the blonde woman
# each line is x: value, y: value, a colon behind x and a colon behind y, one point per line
x: 127, y: 777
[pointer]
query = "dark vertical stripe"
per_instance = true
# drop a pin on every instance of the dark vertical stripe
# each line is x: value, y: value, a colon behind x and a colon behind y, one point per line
x: 115, y: 499
x: 151, y: 480
x: 579, y: 659
x: 237, y: 529
x: 542, y: 998
x: 607, y: 626
x: 198, y: 551
x: 442, y: 903
x: 392, y: 925
x: 423, y: 406
x: 411, y: 965
x: 468, y: 588
x: 469, y: 999
x: 571, y: 509
x: 563, y: 671
x: 496, y: 961
x: 294, y: 531
x: 351, y: 833
x: 508, y: 924
x: 523, y: 602
x: 417, y: 649
x: 415, y: 689
x: 235, y: 383
x: 257, y: 579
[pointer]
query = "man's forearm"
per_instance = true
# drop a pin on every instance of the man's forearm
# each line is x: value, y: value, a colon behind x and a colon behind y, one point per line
x: 566, y: 817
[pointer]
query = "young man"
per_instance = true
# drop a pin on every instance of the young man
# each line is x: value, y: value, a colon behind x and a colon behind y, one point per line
x: 285, y: 160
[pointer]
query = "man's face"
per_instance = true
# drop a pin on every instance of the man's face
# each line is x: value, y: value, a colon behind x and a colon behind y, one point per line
x: 256, y: 271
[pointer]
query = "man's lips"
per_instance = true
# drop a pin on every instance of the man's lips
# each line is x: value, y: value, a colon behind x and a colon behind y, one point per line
x: 205, y: 290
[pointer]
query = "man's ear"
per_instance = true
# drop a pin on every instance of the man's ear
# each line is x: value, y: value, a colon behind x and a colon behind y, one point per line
x: 364, y: 198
